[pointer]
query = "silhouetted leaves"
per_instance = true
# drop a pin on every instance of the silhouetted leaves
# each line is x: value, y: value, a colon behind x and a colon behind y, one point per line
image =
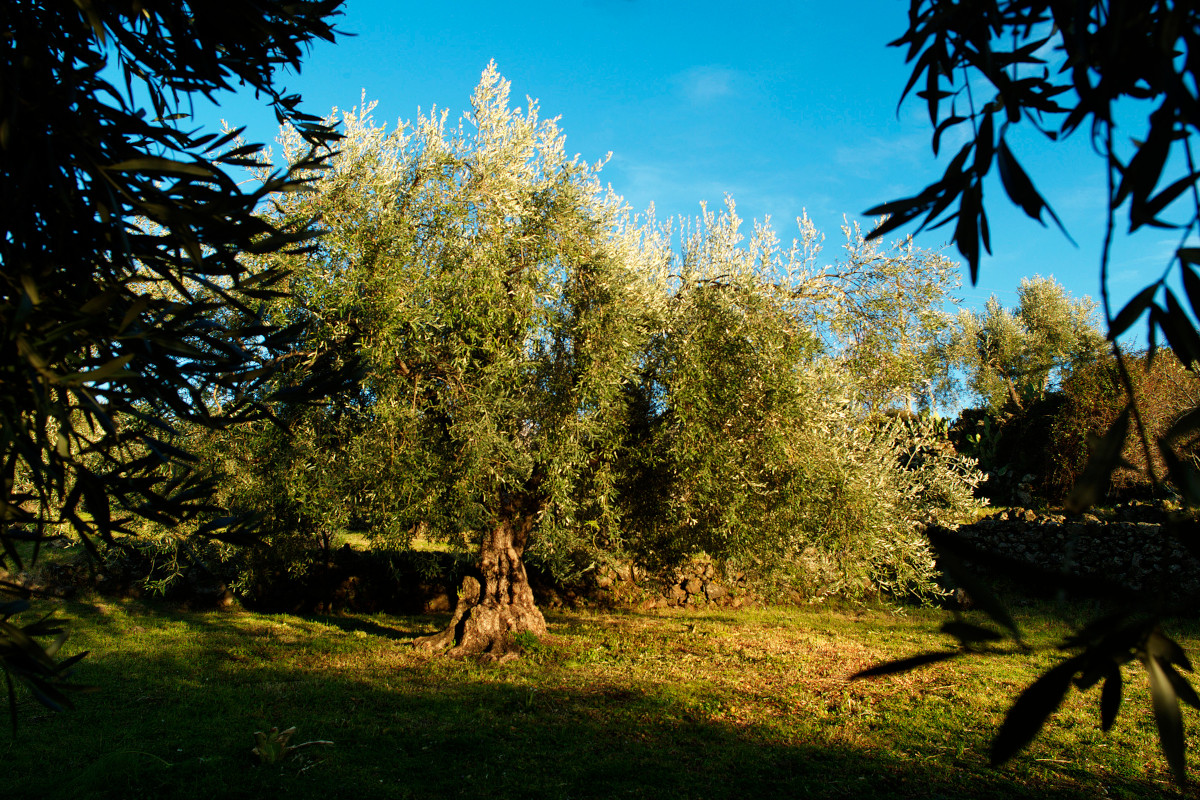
x: 1020, y: 188
x: 968, y: 634
x: 1127, y: 51
x: 24, y: 658
x: 981, y: 594
x: 1105, y: 456
x: 906, y: 664
x: 1164, y: 698
x: 1178, y: 328
x: 127, y: 305
x: 1132, y: 310
x: 1055, y: 66
x: 1031, y: 709
x: 1110, y: 697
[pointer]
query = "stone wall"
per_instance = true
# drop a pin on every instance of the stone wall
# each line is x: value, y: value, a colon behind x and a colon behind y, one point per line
x: 1130, y: 546
x: 699, y: 583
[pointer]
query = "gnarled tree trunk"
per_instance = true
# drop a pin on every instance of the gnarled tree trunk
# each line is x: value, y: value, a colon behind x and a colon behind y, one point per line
x: 498, y: 602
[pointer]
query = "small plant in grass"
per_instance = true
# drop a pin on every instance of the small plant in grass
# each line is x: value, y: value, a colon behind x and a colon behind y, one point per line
x: 527, y: 641
x: 542, y: 651
x: 273, y: 746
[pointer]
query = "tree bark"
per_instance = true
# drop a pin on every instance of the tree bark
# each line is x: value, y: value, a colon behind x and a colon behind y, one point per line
x: 1013, y: 395
x: 497, y: 603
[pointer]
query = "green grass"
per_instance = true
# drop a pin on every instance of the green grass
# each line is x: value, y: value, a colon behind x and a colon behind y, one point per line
x: 671, y: 704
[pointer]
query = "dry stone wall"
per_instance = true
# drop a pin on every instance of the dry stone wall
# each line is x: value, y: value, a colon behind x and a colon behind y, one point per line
x: 1129, y: 546
x: 700, y: 583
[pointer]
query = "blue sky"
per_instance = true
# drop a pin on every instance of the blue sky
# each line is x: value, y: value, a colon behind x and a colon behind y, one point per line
x: 785, y: 106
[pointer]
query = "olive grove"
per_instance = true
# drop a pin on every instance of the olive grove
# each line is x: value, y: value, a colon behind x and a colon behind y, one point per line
x: 543, y: 375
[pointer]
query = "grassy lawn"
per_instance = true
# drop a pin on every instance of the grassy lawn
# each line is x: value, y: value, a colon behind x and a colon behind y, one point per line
x: 668, y: 704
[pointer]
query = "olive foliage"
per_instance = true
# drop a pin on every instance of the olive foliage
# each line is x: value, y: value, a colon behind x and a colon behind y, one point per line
x: 527, y: 347
x: 883, y: 313
x: 1013, y: 356
x: 985, y: 67
x: 749, y: 439
x: 126, y: 307
x: 492, y: 293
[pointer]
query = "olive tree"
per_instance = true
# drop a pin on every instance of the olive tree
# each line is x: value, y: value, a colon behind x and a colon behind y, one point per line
x: 884, y: 313
x: 1013, y: 356
x: 541, y: 374
x: 493, y: 293
x: 748, y: 438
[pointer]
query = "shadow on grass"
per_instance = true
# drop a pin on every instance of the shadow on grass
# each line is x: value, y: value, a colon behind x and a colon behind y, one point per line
x: 372, y: 628
x: 409, y: 627
x: 179, y: 723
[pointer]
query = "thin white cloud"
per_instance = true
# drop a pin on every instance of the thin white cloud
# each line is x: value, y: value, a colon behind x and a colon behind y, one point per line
x: 867, y: 156
x: 679, y: 191
x: 702, y: 85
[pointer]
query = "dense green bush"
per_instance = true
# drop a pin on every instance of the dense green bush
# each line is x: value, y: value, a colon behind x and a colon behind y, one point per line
x: 1016, y: 361
x: 746, y: 445
x: 288, y: 480
x: 1044, y: 447
x: 1093, y: 397
x: 865, y: 494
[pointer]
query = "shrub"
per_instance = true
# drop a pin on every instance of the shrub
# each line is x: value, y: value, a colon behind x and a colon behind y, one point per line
x: 829, y: 500
x: 1093, y: 397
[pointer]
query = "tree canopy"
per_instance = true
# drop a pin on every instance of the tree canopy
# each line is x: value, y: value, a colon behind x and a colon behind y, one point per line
x: 750, y: 440
x: 885, y: 316
x: 126, y: 307
x: 494, y: 294
x: 543, y: 374
x: 1013, y: 356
